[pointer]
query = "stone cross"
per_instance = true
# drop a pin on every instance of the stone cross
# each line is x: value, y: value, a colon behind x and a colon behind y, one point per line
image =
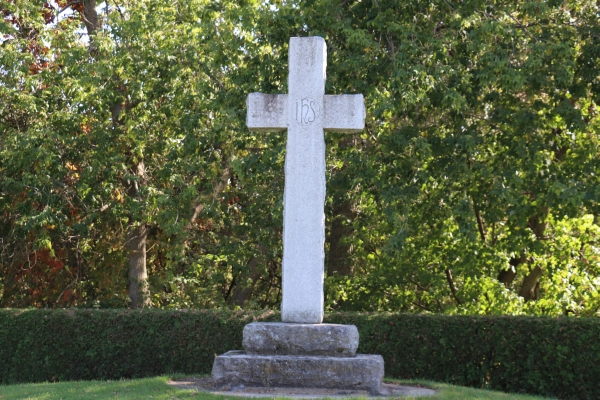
x: 305, y: 112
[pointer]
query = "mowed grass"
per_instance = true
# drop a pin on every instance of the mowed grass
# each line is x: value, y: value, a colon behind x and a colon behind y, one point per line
x: 147, y: 388
x: 156, y: 388
x: 447, y: 392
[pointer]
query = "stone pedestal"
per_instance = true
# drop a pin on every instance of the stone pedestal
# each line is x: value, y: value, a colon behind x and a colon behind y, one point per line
x: 299, y: 355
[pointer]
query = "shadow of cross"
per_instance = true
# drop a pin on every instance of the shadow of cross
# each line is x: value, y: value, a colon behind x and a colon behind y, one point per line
x: 305, y: 112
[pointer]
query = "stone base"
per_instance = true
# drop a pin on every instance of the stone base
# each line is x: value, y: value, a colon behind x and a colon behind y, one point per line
x: 277, y: 338
x: 236, y: 368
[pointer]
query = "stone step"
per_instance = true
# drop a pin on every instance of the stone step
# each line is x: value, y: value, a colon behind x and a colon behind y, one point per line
x: 278, y: 338
x: 236, y: 368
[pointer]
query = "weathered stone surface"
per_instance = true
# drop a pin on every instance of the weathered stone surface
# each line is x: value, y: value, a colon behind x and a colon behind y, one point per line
x: 267, y: 112
x: 235, y: 368
x: 306, y: 111
x: 344, y: 113
x: 271, y: 338
x: 303, y: 260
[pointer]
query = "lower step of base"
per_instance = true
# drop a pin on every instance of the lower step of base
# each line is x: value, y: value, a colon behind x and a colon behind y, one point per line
x: 235, y: 368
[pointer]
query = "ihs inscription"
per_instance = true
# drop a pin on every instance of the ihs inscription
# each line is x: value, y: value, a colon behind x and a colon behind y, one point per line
x: 306, y: 111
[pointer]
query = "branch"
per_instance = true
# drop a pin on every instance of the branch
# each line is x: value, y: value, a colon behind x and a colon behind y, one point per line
x: 391, y: 44
x: 214, y: 78
x: 448, y: 4
x: 520, y: 25
x: 479, y: 220
x: 421, y: 306
x: 118, y: 9
x: 69, y: 4
x: 480, y: 225
x: 221, y: 185
x: 418, y: 285
x: 452, y: 287
x: 231, y: 285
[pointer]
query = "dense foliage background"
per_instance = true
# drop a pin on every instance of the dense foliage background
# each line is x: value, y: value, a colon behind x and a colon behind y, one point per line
x: 127, y: 176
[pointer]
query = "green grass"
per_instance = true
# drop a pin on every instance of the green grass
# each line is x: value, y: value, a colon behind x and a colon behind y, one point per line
x: 157, y: 388
x: 447, y: 392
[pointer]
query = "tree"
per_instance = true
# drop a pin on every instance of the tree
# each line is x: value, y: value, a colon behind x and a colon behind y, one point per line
x: 473, y: 188
x: 113, y: 175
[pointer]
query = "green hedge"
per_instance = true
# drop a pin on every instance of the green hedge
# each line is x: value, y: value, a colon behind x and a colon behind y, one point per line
x: 556, y: 357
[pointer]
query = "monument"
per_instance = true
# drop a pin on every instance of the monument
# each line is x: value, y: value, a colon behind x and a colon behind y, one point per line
x: 301, y: 351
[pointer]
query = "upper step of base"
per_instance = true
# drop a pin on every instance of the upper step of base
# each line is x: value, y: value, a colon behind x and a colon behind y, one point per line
x: 272, y: 338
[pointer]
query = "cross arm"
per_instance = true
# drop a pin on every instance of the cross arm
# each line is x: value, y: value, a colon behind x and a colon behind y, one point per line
x: 344, y: 113
x: 267, y: 112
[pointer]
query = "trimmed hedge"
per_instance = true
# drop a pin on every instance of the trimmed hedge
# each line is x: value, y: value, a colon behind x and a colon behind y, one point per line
x: 554, y: 357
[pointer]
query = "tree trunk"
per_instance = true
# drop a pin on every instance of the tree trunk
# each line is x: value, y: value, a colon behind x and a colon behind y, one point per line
x: 90, y: 16
x: 338, y: 257
x: 139, y: 292
x: 538, y: 224
x: 244, y: 287
x: 135, y: 243
x: 507, y: 276
x: 136, y: 238
x: 530, y: 285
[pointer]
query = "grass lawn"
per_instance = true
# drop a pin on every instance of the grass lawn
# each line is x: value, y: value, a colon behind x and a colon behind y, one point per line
x: 157, y: 388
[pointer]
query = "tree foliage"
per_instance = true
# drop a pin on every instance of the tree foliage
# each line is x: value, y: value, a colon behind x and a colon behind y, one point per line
x: 473, y: 188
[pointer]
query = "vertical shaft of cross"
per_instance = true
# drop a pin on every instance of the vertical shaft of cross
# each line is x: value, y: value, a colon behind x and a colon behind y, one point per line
x: 306, y: 112
x: 304, y: 196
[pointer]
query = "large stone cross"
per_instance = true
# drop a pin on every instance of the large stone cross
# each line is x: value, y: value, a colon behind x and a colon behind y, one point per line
x: 305, y: 112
